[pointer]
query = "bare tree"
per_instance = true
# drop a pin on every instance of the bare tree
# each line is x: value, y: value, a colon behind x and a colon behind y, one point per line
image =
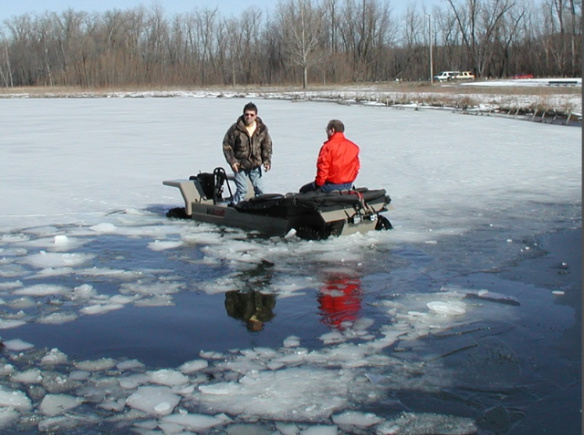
x: 414, y: 45
x: 302, y: 28
x: 234, y: 49
x: 272, y: 50
x: 6, y: 75
x: 575, y: 33
x: 206, y: 21
x: 505, y: 36
x: 564, y: 18
x: 250, y: 25
x: 478, y: 23
x: 338, y: 40
x: 367, y: 31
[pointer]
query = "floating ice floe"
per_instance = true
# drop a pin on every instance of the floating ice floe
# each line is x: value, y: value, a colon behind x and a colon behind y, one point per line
x: 154, y: 400
x: 487, y: 295
x: 53, y: 357
x: 14, y: 399
x: 103, y: 228
x: 426, y: 423
x: 42, y: 290
x: 96, y: 365
x: 355, y: 418
x: 103, y: 272
x: 32, y: 376
x: 8, y: 416
x: 61, y: 240
x: 159, y: 245
x: 11, y: 285
x: 55, y: 404
x: 168, y: 377
x: 58, y: 318
x: 448, y: 308
x: 17, y: 345
x: 95, y: 309
x: 44, y: 260
x: 11, y: 323
x: 192, y: 422
x: 194, y: 366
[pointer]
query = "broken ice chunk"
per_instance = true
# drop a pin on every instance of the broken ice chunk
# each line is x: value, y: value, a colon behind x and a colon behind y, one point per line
x: 194, y: 422
x: 490, y: 296
x: 55, y: 404
x: 193, y: 366
x: 168, y: 377
x: 425, y: 423
x: 451, y: 308
x: 14, y: 399
x: 154, y: 400
x: 354, y: 418
x: 17, y: 345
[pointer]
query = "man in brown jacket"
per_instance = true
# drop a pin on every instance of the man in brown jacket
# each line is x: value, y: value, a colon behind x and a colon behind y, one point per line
x: 247, y: 147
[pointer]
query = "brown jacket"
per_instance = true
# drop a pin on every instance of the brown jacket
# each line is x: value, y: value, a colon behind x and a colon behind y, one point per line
x: 250, y: 152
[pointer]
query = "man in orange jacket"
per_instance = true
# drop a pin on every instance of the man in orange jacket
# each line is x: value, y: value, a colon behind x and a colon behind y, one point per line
x: 338, y: 164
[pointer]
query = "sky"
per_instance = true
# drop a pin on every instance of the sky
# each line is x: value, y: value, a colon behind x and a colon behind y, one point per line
x: 83, y: 172
x: 11, y: 8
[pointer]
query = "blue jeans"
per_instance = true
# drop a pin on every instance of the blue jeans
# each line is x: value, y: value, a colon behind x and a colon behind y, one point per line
x: 257, y: 181
x: 328, y: 187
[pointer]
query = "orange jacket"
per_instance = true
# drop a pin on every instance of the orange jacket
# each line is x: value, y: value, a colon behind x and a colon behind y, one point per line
x: 338, y: 161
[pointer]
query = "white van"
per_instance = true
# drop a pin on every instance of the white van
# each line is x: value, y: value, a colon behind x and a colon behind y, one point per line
x: 446, y: 76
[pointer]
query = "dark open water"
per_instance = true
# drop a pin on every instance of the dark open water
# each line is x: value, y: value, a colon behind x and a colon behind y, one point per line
x: 513, y: 364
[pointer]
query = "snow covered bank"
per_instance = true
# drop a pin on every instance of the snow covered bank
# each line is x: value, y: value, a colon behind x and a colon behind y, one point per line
x: 537, y: 94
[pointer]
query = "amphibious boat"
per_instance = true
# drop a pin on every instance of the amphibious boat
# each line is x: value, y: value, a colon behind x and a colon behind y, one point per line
x: 313, y: 215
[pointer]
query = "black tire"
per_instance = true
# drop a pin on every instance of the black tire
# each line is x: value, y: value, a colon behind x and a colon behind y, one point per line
x: 310, y: 233
x: 334, y: 229
x: 383, y: 223
x: 177, y: 213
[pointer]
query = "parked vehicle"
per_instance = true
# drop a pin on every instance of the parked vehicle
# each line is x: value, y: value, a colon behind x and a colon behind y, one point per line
x: 465, y: 75
x: 523, y: 76
x: 445, y: 76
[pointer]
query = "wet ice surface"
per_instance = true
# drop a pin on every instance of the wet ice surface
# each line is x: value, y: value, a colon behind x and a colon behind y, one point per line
x: 464, y: 319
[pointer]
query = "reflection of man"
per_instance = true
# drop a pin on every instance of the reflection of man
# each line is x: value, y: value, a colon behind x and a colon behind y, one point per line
x: 253, y: 307
x: 340, y: 300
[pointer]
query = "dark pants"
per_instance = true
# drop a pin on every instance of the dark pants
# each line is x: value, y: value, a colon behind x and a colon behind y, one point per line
x: 328, y: 187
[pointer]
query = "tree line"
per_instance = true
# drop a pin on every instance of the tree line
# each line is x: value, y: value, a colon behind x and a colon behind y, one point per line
x: 300, y: 42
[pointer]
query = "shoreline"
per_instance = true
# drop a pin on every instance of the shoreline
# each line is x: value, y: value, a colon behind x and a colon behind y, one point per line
x: 544, y: 104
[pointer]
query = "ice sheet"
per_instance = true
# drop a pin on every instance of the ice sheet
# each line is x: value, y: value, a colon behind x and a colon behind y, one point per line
x: 81, y: 202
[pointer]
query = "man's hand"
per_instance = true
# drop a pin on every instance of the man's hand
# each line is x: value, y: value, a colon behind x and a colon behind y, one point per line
x: 267, y: 167
x: 235, y: 167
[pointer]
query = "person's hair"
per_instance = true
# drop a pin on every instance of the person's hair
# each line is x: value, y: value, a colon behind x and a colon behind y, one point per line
x: 336, y: 125
x: 250, y: 107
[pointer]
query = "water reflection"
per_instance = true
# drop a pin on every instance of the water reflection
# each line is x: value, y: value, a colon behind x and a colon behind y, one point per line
x: 252, y: 307
x: 340, y: 299
x: 249, y: 304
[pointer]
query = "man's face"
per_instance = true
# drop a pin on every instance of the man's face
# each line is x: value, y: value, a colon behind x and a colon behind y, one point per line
x: 249, y: 116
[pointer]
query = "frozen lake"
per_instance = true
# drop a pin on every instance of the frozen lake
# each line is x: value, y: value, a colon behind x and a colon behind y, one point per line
x: 464, y: 319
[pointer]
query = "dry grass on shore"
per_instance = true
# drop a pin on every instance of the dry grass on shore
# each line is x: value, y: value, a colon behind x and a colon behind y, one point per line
x: 406, y: 87
x: 551, y: 100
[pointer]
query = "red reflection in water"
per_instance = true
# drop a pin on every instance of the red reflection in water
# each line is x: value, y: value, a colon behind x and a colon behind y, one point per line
x: 340, y: 301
